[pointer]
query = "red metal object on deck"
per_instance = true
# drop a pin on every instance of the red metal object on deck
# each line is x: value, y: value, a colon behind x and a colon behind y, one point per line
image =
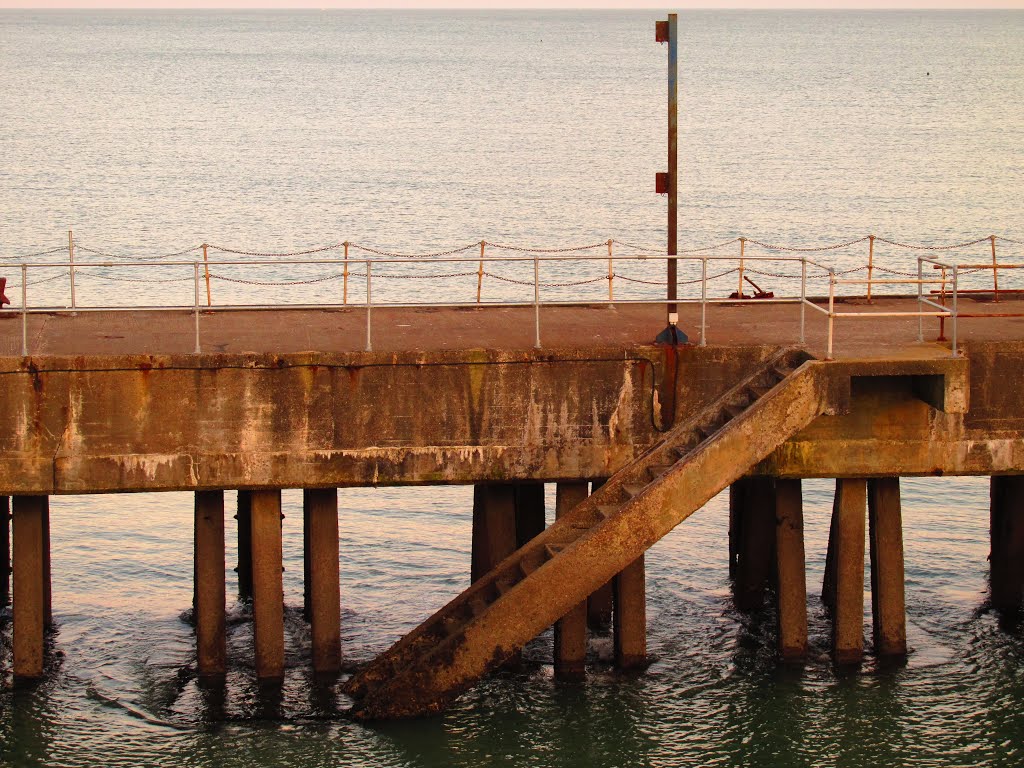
x: 661, y: 31
x: 3, y: 296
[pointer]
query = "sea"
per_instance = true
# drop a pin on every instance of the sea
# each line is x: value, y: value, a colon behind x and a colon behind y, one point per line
x: 149, y: 133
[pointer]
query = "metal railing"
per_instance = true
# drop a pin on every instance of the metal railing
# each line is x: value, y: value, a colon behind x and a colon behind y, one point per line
x: 936, y: 310
x: 530, y: 269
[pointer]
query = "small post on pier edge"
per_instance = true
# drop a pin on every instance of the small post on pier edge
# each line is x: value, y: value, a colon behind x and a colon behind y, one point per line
x: 668, y: 32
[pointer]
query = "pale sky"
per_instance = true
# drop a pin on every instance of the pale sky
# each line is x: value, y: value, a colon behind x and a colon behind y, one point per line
x: 461, y: 4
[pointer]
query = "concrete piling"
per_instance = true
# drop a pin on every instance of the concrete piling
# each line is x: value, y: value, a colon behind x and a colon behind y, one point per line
x: 849, y: 518
x: 752, y: 508
x: 1006, y: 530
x: 888, y: 608
x: 790, y: 570
x: 322, y: 568
x: 530, y: 513
x: 267, y: 588
x: 31, y: 588
x: 5, y: 549
x: 243, y: 515
x: 494, y: 526
x: 600, y: 602
x: 570, y: 649
x: 211, y: 644
x: 630, y: 616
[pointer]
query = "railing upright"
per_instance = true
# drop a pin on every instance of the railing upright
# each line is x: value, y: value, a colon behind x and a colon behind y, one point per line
x: 206, y: 270
x: 920, y: 297
x: 71, y: 263
x: 344, y: 290
x: 831, y: 309
x: 871, y: 263
x: 704, y: 301
x: 611, y: 273
x: 24, y: 310
x: 369, y: 303
x: 480, y: 272
x: 803, y: 299
x: 536, y: 302
x: 956, y: 270
x: 195, y: 305
x: 995, y: 270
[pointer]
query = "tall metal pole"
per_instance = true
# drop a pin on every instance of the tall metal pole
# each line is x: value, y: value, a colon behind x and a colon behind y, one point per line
x: 668, y: 32
x: 673, y: 161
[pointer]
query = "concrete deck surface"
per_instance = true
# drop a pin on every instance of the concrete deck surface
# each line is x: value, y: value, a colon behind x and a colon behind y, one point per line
x: 428, y: 329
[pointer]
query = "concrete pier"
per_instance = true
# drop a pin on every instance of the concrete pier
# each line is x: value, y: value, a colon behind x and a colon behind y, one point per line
x: 844, y: 590
x: 1006, y: 528
x: 752, y: 538
x: 508, y: 418
x: 790, y: 570
x: 267, y: 587
x: 211, y: 643
x: 243, y: 516
x: 323, y: 572
x: 630, y: 616
x: 32, y: 609
x: 888, y: 607
x: 570, y: 648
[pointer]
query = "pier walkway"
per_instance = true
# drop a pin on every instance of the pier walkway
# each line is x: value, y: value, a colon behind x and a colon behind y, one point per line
x: 430, y: 329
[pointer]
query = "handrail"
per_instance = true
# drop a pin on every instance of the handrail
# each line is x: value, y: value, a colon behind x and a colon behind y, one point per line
x: 536, y: 259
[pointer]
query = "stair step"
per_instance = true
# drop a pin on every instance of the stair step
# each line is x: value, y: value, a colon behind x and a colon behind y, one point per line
x: 654, y: 471
x: 527, y: 566
x: 607, y: 510
x: 633, y: 489
x: 504, y: 585
x: 782, y: 371
x: 682, y: 450
x: 553, y: 549
x: 757, y: 392
x: 734, y: 410
x: 478, y: 605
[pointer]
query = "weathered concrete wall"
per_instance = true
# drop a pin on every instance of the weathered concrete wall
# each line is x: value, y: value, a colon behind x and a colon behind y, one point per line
x: 78, y: 425
x: 136, y: 423
x: 894, y: 425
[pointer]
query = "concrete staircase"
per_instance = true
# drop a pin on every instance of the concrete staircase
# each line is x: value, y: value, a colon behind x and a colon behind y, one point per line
x: 540, y: 582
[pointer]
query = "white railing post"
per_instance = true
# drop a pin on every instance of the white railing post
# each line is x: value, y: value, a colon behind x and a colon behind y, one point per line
x: 703, y: 301
x: 71, y: 264
x: 536, y: 302
x: 24, y: 310
x: 956, y: 270
x: 611, y: 273
x: 369, y: 303
x: 871, y: 263
x: 831, y: 309
x: 920, y: 296
x: 195, y: 306
x: 803, y: 299
x: 344, y: 290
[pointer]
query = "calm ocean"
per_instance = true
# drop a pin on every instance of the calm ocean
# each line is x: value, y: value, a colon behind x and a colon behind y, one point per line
x: 154, y: 131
